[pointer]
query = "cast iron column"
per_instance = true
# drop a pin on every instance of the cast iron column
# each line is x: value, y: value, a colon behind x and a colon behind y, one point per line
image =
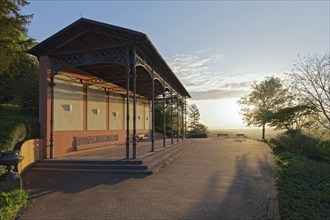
x: 172, y: 134
x: 153, y: 113
x: 177, y: 119
x: 85, y: 96
x: 182, y: 121
x: 185, y: 118
x: 164, y: 121
x: 51, y: 138
x: 127, y: 103
x: 134, y: 102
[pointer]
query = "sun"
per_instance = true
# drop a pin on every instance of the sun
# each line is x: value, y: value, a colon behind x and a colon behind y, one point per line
x: 220, y: 113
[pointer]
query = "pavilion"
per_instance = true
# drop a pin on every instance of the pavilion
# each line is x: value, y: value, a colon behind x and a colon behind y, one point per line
x: 98, y: 85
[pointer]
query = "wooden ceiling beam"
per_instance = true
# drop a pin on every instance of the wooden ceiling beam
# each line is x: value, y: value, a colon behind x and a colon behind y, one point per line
x: 71, y: 39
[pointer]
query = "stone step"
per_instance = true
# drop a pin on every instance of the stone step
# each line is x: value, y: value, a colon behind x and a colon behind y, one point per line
x: 155, y: 162
x: 166, y: 150
x: 93, y: 170
x: 150, y: 163
x: 67, y: 161
x: 91, y: 166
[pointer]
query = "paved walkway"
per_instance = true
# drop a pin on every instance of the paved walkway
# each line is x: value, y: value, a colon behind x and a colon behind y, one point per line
x: 214, y: 179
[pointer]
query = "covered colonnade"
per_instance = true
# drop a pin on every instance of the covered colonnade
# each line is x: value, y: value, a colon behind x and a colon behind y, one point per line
x: 98, y: 85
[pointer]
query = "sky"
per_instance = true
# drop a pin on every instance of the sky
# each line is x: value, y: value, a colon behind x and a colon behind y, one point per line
x: 216, y: 48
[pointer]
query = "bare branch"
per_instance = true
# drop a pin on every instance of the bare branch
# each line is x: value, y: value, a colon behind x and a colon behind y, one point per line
x: 311, y: 79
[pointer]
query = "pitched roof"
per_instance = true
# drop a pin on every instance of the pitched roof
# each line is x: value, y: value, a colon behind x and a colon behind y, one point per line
x: 85, y: 33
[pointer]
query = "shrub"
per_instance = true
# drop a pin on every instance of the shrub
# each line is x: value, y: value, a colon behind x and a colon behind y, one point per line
x: 304, y: 188
x: 324, y: 147
x: 11, y: 202
x: 16, y: 126
x: 302, y: 144
x: 19, y: 133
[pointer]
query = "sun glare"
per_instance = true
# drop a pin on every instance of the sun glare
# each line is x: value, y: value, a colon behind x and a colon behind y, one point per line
x: 220, y: 113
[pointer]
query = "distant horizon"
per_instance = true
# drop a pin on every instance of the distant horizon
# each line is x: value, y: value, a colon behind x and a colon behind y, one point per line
x: 242, y: 128
x: 234, y: 128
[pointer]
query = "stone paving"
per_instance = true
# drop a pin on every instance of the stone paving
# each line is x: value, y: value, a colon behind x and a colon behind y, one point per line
x: 214, y: 179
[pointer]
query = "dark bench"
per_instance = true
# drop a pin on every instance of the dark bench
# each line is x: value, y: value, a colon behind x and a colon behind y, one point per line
x: 241, y: 137
x: 222, y: 136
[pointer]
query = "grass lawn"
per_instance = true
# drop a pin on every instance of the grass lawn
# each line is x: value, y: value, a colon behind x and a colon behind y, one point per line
x: 304, y: 187
x: 11, y: 202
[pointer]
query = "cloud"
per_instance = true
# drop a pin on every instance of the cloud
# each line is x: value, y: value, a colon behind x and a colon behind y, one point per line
x: 216, y: 94
x: 207, y: 75
x: 238, y: 84
x: 194, y: 69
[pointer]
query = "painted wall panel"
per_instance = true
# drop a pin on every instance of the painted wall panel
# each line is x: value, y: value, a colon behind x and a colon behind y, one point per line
x: 68, y: 104
x: 116, y: 116
x: 139, y: 116
x: 130, y: 114
x: 96, y: 108
x: 147, y: 118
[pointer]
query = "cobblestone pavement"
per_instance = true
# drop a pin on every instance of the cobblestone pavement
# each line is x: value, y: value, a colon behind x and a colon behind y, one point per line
x: 214, y: 179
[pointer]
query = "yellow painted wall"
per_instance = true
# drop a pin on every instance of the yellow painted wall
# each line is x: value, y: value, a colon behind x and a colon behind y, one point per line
x: 142, y: 110
x: 116, y: 116
x: 30, y: 150
x: 130, y: 113
x: 147, y: 118
x: 139, y: 115
x: 68, y: 92
x: 96, y: 108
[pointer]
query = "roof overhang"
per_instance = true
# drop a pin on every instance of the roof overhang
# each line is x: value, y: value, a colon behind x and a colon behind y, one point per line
x: 86, y: 36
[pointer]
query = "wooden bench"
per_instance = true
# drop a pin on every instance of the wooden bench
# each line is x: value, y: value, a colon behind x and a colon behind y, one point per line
x: 222, y: 136
x: 241, y: 137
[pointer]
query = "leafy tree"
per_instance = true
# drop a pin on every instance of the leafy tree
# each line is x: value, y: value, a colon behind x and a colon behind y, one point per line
x: 311, y: 79
x: 196, y: 129
x: 21, y: 88
x: 18, y: 70
x: 13, y: 35
x: 194, y: 117
x: 267, y: 96
x: 292, y: 118
x: 176, y: 116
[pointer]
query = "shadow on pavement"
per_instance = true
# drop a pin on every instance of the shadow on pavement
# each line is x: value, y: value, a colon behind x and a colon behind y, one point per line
x: 41, y: 183
x: 246, y: 194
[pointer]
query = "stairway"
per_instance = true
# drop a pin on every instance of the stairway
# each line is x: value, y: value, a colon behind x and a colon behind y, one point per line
x: 123, y: 166
x: 148, y: 164
x: 155, y: 161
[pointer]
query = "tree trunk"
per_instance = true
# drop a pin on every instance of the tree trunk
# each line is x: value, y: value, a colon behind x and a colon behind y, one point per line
x: 263, y: 132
